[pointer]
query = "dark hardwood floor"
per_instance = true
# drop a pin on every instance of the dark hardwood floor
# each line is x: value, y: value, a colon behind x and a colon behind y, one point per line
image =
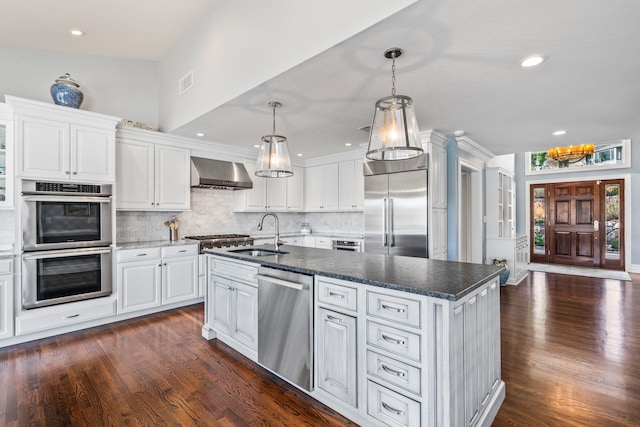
x: 570, y: 357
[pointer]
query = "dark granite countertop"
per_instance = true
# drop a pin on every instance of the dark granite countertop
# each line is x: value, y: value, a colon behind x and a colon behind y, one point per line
x: 440, y: 279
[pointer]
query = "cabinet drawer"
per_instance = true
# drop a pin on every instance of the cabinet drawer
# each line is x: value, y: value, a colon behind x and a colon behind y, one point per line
x: 6, y: 266
x: 390, y: 407
x: 323, y: 242
x: 394, y: 371
x: 34, y: 323
x: 400, y: 342
x: 138, y: 254
x: 337, y: 295
x: 233, y: 269
x: 396, y: 309
x: 182, y: 250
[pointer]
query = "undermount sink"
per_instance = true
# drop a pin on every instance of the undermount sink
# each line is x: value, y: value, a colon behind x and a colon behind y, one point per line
x: 257, y: 252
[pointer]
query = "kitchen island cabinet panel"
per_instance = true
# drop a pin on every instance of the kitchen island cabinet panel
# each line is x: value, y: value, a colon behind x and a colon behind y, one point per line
x: 336, y: 360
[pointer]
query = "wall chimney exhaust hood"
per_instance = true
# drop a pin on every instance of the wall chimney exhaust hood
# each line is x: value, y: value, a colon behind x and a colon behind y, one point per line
x: 209, y: 173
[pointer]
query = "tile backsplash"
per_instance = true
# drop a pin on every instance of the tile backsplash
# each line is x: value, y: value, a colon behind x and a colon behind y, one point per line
x: 212, y: 213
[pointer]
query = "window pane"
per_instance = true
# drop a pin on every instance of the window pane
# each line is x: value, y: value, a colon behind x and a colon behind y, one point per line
x: 612, y: 212
x: 539, y: 220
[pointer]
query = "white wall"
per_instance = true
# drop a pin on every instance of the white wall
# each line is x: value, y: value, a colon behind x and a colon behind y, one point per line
x: 239, y: 44
x: 119, y: 87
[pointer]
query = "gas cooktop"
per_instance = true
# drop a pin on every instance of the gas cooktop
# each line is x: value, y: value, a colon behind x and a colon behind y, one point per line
x: 208, y: 241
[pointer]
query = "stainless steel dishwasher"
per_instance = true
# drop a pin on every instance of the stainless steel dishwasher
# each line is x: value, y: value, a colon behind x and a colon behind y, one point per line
x: 285, y: 324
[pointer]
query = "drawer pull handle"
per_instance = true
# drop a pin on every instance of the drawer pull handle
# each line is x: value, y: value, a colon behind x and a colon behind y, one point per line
x: 334, y: 319
x: 71, y: 317
x: 392, y: 371
x: 388, y: 338
x: 397, y: 310
x: 141, y: 255
x: 335, y: 294
x: 184, y: 250
x: 392, y: 409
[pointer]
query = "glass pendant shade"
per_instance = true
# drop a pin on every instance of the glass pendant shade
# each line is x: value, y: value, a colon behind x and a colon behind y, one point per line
x: 394, y: 131
x: 273, y: 159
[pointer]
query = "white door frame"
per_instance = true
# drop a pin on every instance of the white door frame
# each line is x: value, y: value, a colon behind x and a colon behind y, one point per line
x: 476, y: 203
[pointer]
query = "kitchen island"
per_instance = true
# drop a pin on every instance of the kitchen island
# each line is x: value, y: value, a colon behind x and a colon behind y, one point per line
x: 395, y: 340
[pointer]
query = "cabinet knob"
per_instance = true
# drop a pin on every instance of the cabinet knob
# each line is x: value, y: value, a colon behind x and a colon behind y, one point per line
x: 67, y: 172
x: 75, y: 173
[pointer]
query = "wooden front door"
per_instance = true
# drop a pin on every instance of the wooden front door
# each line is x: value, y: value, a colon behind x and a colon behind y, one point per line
x: 574, y: 222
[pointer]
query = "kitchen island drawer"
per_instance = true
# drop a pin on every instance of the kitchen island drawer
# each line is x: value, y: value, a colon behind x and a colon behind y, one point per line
x: 54, y: 317
x: 334, y: 292
x: 394, y: 371
x: 233, y: 269
x: 138, y: 254
x: 181, y: 250
x: 390, y: 407
x: 396, y: 341
x: 395, y: 309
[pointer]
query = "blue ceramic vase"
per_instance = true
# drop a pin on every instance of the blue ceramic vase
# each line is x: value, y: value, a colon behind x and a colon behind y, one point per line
x: 504, y: 276
x: 66, y: 91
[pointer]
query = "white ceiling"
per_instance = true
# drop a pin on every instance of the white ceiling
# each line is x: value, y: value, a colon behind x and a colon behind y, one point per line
x: 460, y: 66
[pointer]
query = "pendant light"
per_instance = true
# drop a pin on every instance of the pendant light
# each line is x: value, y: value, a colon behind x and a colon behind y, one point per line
x: 394, y: 131
x: 274, y: 160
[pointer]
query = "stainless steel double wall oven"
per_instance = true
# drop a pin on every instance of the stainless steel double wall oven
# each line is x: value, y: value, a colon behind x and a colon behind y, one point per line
x: 66, y: 237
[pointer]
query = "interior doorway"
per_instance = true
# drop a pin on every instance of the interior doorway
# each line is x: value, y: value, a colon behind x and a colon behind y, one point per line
x: 578, y: 223
x: 470, y: 214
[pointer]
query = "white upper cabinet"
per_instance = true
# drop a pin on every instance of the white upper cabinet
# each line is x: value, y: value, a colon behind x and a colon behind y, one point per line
x: 274, y: 194
x: 351, y: 187
x: 321, y: 188
x: 151, y: 176
x: 62, y: 143
x: 500, y: 198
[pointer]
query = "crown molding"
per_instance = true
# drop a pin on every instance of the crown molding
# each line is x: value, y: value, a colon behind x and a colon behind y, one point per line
x: 472, y: 147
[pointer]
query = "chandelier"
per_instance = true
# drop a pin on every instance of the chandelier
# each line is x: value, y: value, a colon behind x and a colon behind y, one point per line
x: 570, y: 154
x: 274, y: 160
x: 394, y: 130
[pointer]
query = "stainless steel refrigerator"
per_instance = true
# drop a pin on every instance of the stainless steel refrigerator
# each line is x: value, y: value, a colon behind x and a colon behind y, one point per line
x: 395, y: 207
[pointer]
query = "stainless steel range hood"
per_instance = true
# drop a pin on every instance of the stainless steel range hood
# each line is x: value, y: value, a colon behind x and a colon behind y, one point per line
x: 209, y: 173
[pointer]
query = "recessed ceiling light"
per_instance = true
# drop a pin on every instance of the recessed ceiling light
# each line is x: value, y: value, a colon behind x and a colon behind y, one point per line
x: 299, y: 154
x: 256, y: 146
x: 199, y: 134
x: 559, y: 132
x: 348, y: 144
x: 532, y: 61
x: 77, y: 33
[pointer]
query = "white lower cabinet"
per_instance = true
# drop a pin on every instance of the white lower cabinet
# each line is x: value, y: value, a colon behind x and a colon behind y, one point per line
x: 336, y: 356
x: 232, y: 304
x: 515, y: 250
x: 6, y: 298
x: 151, y: 277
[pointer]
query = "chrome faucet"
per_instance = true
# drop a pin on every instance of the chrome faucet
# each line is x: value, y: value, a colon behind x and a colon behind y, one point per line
x: 277, y: 241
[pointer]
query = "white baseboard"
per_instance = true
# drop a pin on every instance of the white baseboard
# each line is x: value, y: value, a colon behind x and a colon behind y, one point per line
x: 634, y: 268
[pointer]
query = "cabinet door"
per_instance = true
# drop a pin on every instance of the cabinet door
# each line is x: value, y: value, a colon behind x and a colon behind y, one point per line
x: 220, y: 307
x: 313, y: 188
x: 254, y: 199
x: 92, y: 154
x: 337, y: 355
x: 277, y: 194
x: 330, y: 187
x: 134, y: 175
x: 179, y: 279
x: 351, y: 187
x: 43, y: 148
x: 245, y: 321
x: 6, y: 306
x: 295, y: 190
x: 172, y: 178
x: 138, y: 285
